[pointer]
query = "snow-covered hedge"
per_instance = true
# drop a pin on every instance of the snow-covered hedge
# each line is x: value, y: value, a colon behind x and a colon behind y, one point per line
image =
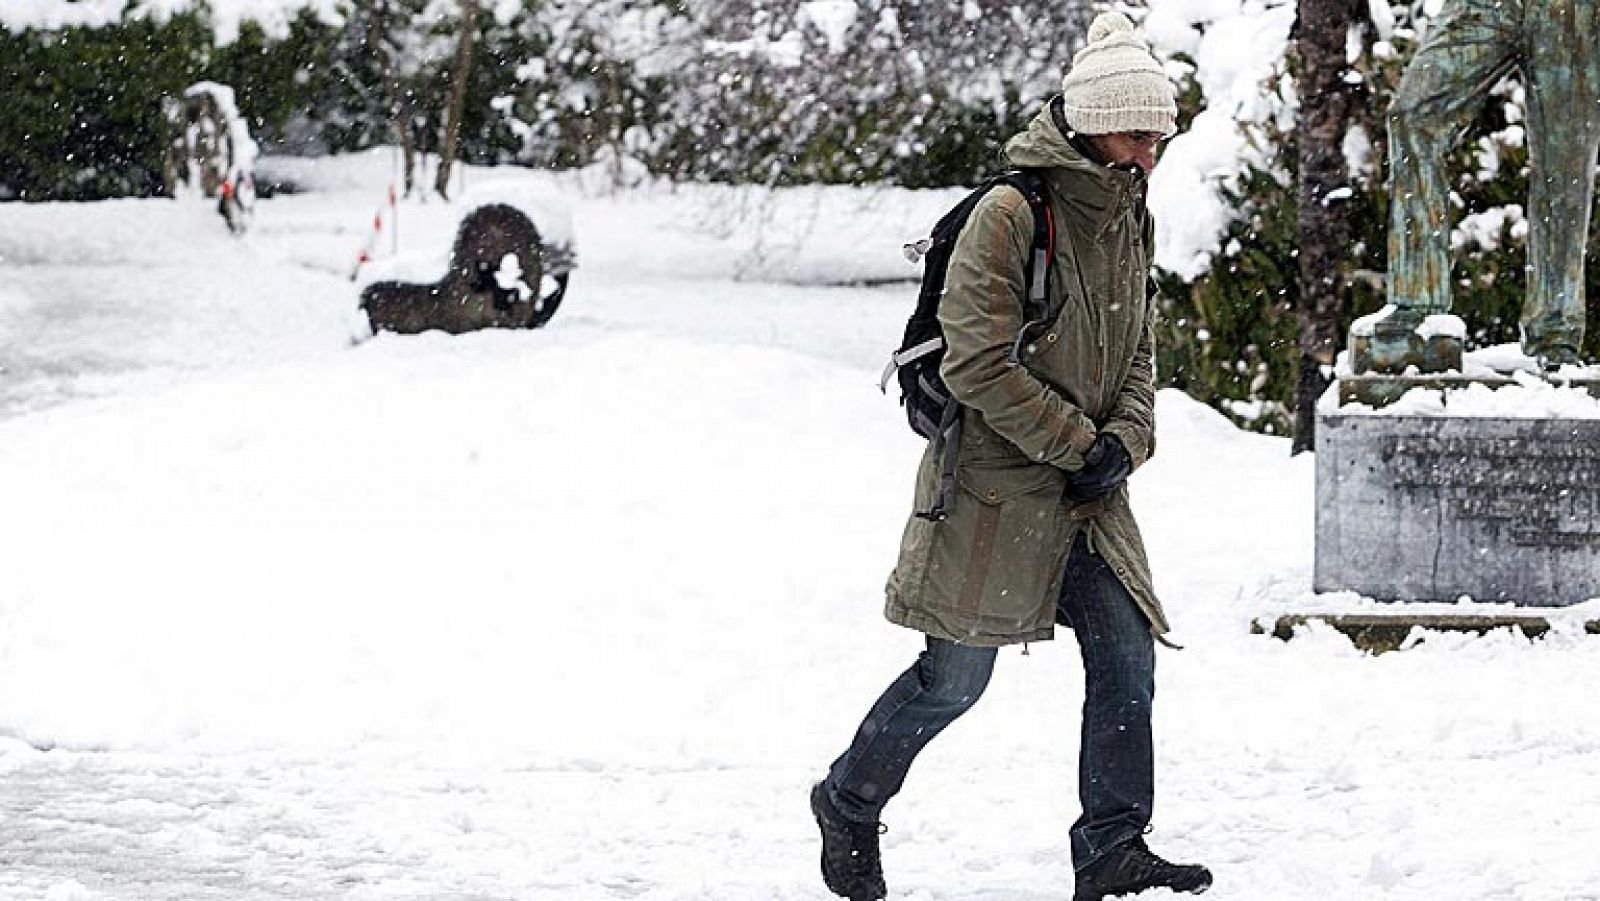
x: 307, y: 82
x: 790, y: 91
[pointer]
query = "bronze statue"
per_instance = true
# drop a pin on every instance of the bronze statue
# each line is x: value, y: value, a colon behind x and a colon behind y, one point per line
x: 1470, y: 47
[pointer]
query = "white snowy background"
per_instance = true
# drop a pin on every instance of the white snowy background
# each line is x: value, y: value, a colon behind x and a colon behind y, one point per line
x: 580, y: 613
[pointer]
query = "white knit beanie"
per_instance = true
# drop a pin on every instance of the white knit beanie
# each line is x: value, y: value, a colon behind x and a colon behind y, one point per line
x: 1116, y: 85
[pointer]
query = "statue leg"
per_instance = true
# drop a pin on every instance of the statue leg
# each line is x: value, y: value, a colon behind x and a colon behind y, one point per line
x: 1564, y: 136
x: 1469, y: 48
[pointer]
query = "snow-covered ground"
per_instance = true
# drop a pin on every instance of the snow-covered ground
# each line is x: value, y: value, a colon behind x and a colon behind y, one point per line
x: 580, y: 613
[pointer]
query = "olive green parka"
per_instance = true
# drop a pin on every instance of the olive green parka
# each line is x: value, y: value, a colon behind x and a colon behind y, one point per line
x: 990, y: 573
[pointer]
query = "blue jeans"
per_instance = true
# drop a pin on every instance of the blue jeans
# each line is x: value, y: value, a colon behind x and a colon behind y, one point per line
x: 1116, y: 765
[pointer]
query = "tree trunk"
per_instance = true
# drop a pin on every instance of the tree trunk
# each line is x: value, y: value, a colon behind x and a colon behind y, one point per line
x: 1325, y: 103
x: 408, y: 153
x: 458, y: 95
x: 380, y: 16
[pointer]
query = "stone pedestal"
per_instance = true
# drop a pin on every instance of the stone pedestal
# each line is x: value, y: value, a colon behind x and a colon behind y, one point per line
x: 1413, y: 508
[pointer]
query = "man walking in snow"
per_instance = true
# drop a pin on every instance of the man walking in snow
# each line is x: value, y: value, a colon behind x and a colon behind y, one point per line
x: 1040, y: 530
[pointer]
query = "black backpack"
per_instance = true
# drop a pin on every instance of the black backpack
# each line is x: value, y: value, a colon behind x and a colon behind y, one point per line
x: 930, y: 409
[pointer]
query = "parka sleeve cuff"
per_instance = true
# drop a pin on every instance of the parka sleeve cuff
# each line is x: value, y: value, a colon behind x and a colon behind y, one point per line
x: 1079, y: 440
x: 1136, y: 440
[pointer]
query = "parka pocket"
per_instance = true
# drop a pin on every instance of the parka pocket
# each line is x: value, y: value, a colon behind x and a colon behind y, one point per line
x: 999, y: 552
x: 996, y: 484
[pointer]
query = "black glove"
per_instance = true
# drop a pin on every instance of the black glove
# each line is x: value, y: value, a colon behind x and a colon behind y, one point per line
x: 1105, y: 466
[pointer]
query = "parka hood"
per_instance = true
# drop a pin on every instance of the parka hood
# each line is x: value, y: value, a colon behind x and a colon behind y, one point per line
x: 1098, y: 192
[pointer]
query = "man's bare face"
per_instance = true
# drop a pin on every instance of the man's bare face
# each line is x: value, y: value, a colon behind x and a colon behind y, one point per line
x: 1126, y: 149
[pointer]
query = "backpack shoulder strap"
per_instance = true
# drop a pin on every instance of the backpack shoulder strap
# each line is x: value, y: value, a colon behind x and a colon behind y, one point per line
x: 1031, y: 185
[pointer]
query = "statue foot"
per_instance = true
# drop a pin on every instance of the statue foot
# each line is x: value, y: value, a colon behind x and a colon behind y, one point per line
x: 1554, y: 358
x: 1396, y: 340
x: 1552, y: 362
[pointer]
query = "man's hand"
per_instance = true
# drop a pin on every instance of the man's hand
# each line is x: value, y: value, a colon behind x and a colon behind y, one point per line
x: 1105, y: 466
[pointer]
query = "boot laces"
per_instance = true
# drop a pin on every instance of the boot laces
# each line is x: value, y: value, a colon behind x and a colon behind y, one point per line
x: 864, y: 830
x: 1146, y: 864
x: 865, y: 835
x: 858, y: 837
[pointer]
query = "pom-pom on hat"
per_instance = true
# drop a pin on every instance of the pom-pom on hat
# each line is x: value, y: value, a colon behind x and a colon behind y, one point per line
x: 1115, y: 84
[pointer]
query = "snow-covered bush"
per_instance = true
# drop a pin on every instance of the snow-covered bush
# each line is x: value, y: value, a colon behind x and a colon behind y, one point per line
x: 306, y: 79
x: 791, y: 91
x: 82, y: 105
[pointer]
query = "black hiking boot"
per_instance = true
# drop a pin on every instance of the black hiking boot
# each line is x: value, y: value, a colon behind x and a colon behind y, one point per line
x: 851, y: 867
x: 1131, y: 867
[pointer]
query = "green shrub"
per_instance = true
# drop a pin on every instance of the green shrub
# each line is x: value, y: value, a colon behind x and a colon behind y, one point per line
x: 82, y: 105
